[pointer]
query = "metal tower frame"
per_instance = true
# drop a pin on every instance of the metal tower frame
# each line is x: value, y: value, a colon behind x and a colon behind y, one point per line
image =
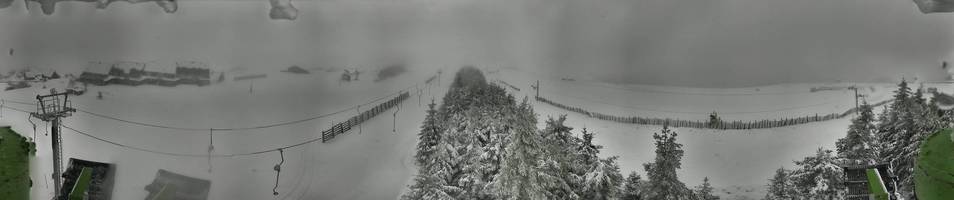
x: 52, y: 108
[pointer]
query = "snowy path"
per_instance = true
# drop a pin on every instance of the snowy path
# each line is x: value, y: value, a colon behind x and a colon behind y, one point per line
x: 375, y: 164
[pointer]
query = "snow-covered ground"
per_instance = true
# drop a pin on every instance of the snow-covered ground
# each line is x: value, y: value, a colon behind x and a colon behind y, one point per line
x: 374, y: 164
x: 738, y: 162
x: 377, y: 164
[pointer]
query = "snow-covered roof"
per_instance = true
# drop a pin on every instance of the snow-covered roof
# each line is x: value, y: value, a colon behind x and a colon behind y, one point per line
x: 192, y: 64
x: 160, y: 67
x: 126, y: 65
x: 98, y: 67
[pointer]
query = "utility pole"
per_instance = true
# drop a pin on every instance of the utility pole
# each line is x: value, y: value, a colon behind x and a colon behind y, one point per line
x: 536, y: 87
x: 855, y: 88
x: 52, y: 108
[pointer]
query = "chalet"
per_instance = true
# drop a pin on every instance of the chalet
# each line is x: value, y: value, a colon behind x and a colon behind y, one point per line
x: 193, y: 72
x: 138, y: 73
x: 866, y: 182
x: 96, y: 73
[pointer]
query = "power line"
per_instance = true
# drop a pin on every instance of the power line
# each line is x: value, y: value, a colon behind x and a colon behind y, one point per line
x: 169, y: 153
x: 19, y: 102
x: 186, y: 154
x: 221, y: 129
x: 15, y: 109
x: 192, y: 155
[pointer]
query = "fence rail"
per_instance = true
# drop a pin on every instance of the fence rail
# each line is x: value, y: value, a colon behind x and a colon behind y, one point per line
x: 508, y: 85
x: 702, y: 124
x: 342, y: 127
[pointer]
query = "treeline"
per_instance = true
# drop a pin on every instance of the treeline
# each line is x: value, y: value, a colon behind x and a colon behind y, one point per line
x: 482, y: 144
x: 717, y: 124
x: 345, y: 126
x: 892, y: 137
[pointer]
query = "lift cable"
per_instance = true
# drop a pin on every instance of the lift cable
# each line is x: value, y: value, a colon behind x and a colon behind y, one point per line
x: 224, y: 129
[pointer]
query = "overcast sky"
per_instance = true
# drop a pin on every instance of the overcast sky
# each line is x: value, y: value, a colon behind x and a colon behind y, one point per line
x: 704, y: 43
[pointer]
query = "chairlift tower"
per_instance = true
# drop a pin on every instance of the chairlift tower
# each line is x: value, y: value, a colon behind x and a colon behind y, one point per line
x: 51, y: 108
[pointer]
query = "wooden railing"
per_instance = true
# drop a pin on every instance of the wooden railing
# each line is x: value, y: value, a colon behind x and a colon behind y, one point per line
x: 345, y: 126
x: 738, y: 124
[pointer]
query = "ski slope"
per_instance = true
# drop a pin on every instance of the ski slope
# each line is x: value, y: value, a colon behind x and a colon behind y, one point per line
x: 370, y: 162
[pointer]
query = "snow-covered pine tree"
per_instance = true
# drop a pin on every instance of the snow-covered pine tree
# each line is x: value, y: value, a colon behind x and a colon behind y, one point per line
x: 891, y: 114
x: 588, y: 151
x: 780, y: 186
x: 520, y: 174
x: 488, y: 132
x: 427, y: 186
x: 663, y: 182
x: 818, y: 177
x: 429, y: 136
x: 561, y: 161
x: 860, y: 145
x: 632, y: 189
x: 453, y: 153
x: 603, y: 180
x: 901, y: 130
x: 705, y: 191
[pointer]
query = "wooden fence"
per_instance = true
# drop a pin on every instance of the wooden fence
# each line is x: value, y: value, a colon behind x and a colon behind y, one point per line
x: 345, y: 126
x: 509, y: 85
x: 702, y: 124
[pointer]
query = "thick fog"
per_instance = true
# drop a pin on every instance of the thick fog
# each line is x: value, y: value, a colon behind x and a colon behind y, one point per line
x: 705, y: 43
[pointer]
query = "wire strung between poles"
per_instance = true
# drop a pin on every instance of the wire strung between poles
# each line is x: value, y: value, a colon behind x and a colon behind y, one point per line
x: 278, y: 171
x: 208, y: 155
x: 185, y: 154
x: 240, y: 128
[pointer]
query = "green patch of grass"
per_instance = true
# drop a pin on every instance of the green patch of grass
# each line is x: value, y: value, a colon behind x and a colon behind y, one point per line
x: 14, y: 165
x: 934, y: 174
x: 82, y: 184
x: 875, y: 185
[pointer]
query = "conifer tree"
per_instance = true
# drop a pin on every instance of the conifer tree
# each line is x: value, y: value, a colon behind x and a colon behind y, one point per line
x: 818, y: 177
x: 780, y: 186
x: 860, y: 145
x: 603, y: 180
x: 663, y: 182
x: 520, y: 174
x: 429, y: 136
x: 561, y: 162
x: 632, y: 189
x: 704, y: 191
